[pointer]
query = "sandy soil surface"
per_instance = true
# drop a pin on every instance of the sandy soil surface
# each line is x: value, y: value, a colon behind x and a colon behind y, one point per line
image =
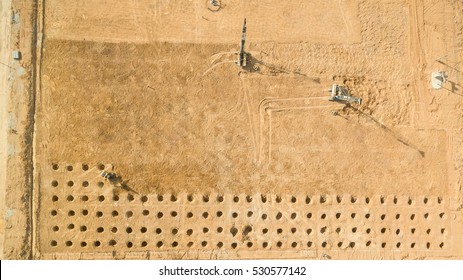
x: 218, y: 161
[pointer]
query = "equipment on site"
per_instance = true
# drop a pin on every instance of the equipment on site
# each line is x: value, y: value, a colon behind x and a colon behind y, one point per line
x: 341, y: 94
x: 110, y: 176
x: 242, y: 55
x: 215, y: 3
x: 438, y: 79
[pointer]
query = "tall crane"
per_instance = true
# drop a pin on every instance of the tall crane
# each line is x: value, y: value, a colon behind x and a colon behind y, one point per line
x: 242, y: 55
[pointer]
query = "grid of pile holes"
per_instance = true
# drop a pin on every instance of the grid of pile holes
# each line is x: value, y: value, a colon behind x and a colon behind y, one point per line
x: 91, y: 214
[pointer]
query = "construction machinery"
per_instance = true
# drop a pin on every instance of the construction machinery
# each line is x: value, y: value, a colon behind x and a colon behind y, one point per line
x: 341, y: 94
x: 242, y: 55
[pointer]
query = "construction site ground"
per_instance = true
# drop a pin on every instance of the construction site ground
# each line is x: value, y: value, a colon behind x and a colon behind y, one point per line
x: 217, y: 161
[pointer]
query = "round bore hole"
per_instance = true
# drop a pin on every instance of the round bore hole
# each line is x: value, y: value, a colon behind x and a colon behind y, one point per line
x: 324, y: 244
x: 307, y: 200
x: 293, y: 199
x: 294, y: 244
x: 250, y: 214
x: 69, y: 168
x: 55, y: 166
x: 428, y: 245
x: 264, y: 216
x: 397, y: 232
x: 236, y: 199
x: 159, y: 231
x: 263, y: 198
x: 367, y: 215
x: 71, y: 226
x: 115, y: 213
x: 189, y: 232
x: 84, y: 198
x: 84, y: 167
x: 339, y: 244
x: 115, y: 198
x: 322, y: 199
x: 323, y: 216
x: 129, y: 214
x: 428, y: 231
x: 265, y: 230
x: 174, y: 231
x: 368, y: 230
x: 70, y: 183
x: 412, y: 216
x: 354, y: 229
x: 279, y: 215
x: 160, y: 198
x: 219, y: 213
x: 206, y: 198
x: 83, y: 228
x: 173, y: 213
x: 248, y: 199
x: 144, y: 199
x: 144, y: 244
x: 189, y: 215
x: 323, y: 230
x: 174, y: 244
x: 54, y: 183
x: 309, y: 231
x: 71, y: 213
x: 413, y: 230
x: 54, y: 198
x: 129, y: 230
x: 233, y: 231
x: 112, y: 242
x: 338, y: 230
x: 190, y: 244
x: 309, y: 244
x: 204, y: 243
x: 99, y: 214
x: 265, y: 244
x: 382, y: 199
x: 173, y: 198
x: 398, y: 245
x: 97, y: 243
x: 441, y: 215
x: 143, y: 229
x: 84, y: 212
x: 426, y: 215
x: 352, y: 215
x: 425, y: 200
x: 84, y: 184
x: 412, y: 245
x: 146, y: 212
x: 100, y: 184
x: 159, y: 244
x: 439, y: 200
x: 205, y: 215
x: 367, y: 200
x: 309, y: 215
x: 55, y: 228
x: 101, y: 198
x: 220, y: 199
x: 101, y: 166
x: 234, y: 215
x: 338, y: 199
x: 219, y: 229
x: 205, y: 230
x: 68, y: 243
x: 160, y: 215
x: 395, y: 200
x: 70, y: 198
x: 383, y: 230
x: 441, y: 245
x: 442, y: 230
x: 293, y: 230
x: 234, y: 245
x: 353, y: 199
x: 293, y: 216
x: 100, y: 229
x: 189, y: 198
x: 129, y: 244
x: 114, y: 229
x: 279, y: 244
x: 397, y: 216
x: 280, y: 230
x: 220, y: 244
x: 352, y: 244
x: 54, y: 243
x: 278, y: 199
x: 249, y: 244
x: 83, y: 244
x: 338, y: 215
x: 368, y: 243
x: 383, y: 216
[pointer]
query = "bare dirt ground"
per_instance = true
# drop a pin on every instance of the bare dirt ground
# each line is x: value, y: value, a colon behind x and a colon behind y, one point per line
x: 220, y: 161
